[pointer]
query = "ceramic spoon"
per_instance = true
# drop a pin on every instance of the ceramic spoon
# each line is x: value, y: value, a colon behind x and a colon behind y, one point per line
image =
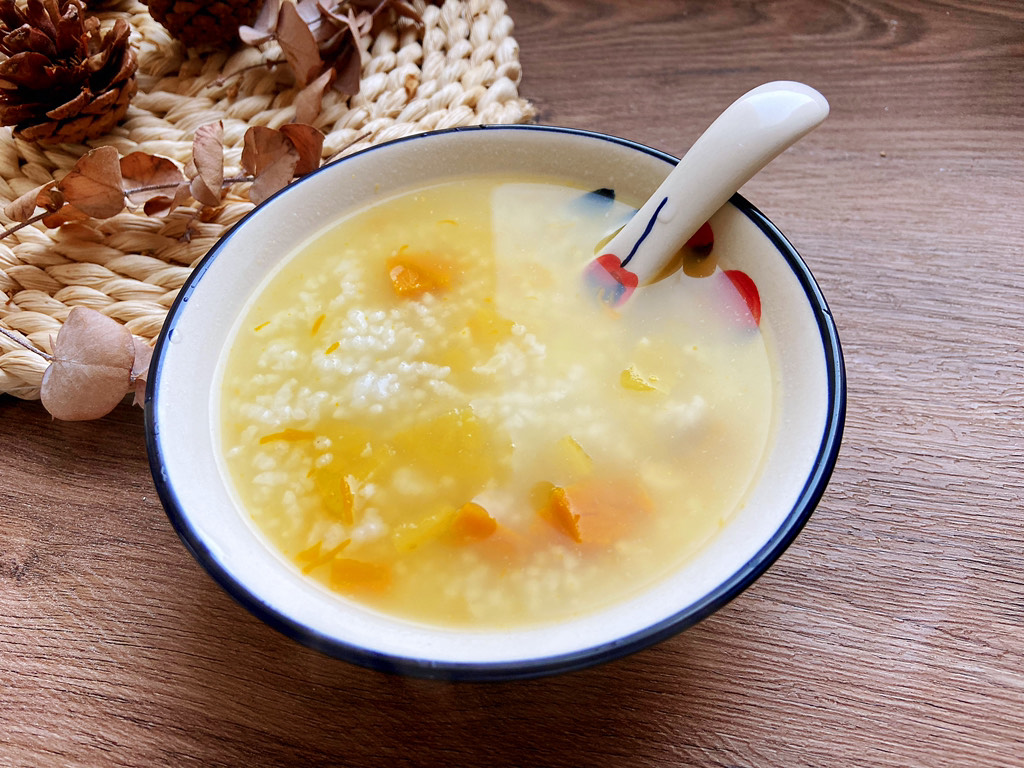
x: 748, y: 135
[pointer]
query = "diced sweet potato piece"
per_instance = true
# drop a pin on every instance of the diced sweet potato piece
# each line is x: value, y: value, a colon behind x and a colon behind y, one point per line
x: 472, y: 523
x: 608, y: 508
x: 413, y: 274
x: 349, y: 576
x: 557, y: 511
x: 599, y: 511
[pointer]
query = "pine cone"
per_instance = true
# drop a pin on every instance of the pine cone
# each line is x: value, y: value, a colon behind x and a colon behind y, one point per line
x: 204, y: 22
x: 63, y: 80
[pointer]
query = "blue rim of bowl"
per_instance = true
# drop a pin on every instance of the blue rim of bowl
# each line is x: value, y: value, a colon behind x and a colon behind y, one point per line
x: 828, y: 452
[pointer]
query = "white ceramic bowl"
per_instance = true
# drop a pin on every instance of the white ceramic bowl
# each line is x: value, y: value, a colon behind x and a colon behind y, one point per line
x: 183, y: 423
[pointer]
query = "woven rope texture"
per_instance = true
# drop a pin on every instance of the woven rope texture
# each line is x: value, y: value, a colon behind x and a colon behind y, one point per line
x: 460, y: 68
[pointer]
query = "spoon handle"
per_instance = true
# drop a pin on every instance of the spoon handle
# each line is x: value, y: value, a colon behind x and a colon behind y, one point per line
x: 748, y: 135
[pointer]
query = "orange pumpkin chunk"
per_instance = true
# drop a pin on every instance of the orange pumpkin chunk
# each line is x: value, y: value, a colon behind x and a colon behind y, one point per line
x: 608, y: 508
x: 557, y: 511
x: 472, y: 523
x: 348, y: 576
x: 413, y: 275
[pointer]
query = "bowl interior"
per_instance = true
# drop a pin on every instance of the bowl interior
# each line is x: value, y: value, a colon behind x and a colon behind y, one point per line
x: 184, y: 442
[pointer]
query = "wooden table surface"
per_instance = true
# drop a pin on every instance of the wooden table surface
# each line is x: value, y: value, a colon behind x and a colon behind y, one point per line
x: 890, y: 634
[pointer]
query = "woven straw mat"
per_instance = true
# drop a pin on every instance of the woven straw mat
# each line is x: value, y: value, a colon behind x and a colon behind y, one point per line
x: 460, y: 68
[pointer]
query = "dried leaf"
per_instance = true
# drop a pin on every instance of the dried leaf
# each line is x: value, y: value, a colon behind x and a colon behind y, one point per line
x: 273, y: 179
x: 147, y: 176
x: 201, y: 192
x: 258, y: 146
x: 208, y: 156
x: 271, y: 157
x: 325, y: 23
x: 208, y: 153
x: 298, y: 45
x: 91, y: 368
x: 308, y: 142
x: 310, y: 98
x: 23, y: 208
x: 343, y: 49
x: 161, y: 205
x: 262, y: 30
x: 349, y: 67
x: 332, y: 15
x: 63, y: 215
x: 50, y: 198
x: 93, y: 186
x: 140, y: 369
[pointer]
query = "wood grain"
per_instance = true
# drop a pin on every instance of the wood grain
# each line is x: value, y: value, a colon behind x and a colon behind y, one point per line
x: 890, y: 634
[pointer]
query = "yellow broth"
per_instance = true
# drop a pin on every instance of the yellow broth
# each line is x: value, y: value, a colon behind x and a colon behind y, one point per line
x: 427, y: 411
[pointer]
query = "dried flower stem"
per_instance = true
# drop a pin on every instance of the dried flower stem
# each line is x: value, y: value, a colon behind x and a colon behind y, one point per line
x: 128, y: 192
x: 26, y: 344
x: 23, y: 224
x: 151, y: 188
x: 225, y: 79
x: 173, y: 185
x: 98, y: 178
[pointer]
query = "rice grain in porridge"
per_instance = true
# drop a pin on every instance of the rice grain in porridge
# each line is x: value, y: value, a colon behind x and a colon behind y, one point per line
x: 425, y: 411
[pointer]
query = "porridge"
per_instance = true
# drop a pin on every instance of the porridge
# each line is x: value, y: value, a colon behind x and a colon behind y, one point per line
x: 425, y: 411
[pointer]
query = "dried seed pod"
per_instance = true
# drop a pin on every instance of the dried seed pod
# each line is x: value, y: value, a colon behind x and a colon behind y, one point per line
x: 204, y: 22
x: 64, y: 80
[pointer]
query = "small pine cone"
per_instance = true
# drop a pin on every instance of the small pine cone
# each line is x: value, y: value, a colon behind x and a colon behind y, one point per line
x: 204, y: 22
x: 63, y: 80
